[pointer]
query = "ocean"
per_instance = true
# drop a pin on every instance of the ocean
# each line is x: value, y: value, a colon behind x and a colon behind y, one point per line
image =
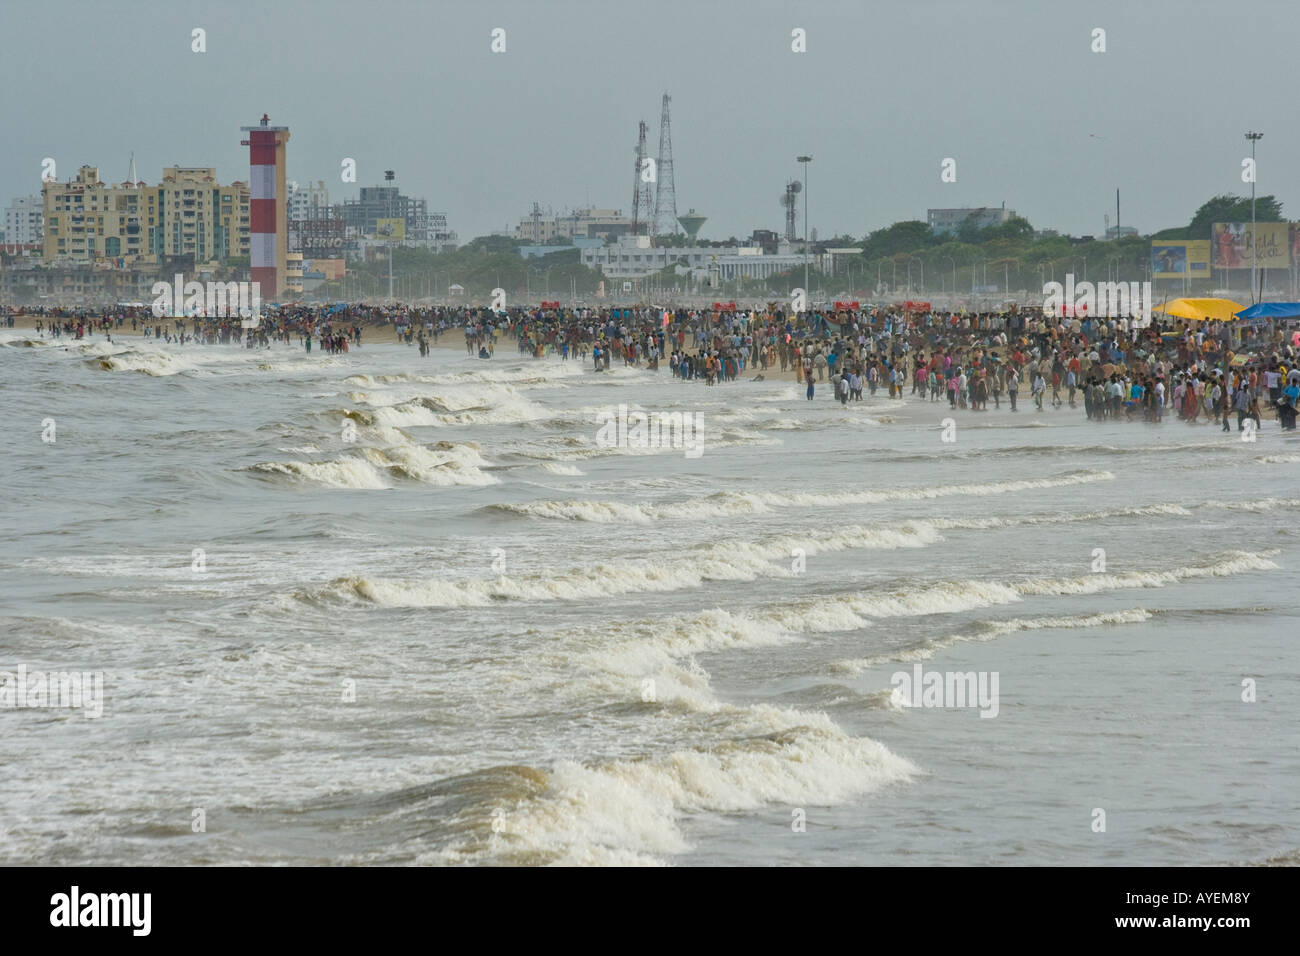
x: 378, y: 609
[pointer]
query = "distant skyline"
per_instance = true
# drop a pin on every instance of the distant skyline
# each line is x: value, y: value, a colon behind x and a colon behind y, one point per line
x: 885, y: 92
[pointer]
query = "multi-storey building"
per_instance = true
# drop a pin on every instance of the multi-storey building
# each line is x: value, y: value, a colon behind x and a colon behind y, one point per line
x: 24, y: 221
x: 949, y: 221
x: 632, y: 257
x: 585, y: 223
x: 386, y: 202
x: 201, y: 217
x: 308, y: 201
x: 188, y: 215
x: 293, y: 273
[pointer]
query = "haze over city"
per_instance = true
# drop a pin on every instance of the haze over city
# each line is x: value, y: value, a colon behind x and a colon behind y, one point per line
x: 884, y: 93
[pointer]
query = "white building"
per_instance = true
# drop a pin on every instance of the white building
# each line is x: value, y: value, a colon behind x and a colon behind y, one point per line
x: 25, y: 221
x: 542, y: 228
x: 950, y: 220
x: 309, y: 201
x: 632, y: 257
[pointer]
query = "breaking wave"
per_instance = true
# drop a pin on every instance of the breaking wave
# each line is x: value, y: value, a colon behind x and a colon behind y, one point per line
x: 753, y: 502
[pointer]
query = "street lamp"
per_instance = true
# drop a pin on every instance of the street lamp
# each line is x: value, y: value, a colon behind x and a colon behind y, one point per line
x: 806, y: 245
x: 1254, y: 138
x: 954, y: 273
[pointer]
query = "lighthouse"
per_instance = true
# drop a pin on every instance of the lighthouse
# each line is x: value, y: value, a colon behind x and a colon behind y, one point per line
x: 268, y: 227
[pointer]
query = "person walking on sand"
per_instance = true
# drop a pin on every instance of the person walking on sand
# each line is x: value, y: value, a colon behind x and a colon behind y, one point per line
x: 1013, y: 386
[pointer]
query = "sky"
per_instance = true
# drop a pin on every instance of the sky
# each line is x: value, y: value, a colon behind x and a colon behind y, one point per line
x: 885, y: 92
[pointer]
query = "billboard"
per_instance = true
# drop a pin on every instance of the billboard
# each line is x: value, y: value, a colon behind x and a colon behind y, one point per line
x: 393, y: 229
x: 1231, y: 245
x: 1180, y: 260
x: 319, y: 238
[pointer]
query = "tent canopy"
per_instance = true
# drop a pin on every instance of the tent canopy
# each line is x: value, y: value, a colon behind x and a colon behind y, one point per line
x: 1271, y: 310
x: 1197, y: 310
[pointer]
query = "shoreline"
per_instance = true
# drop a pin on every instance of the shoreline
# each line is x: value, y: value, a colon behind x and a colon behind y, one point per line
x: 450, y: 340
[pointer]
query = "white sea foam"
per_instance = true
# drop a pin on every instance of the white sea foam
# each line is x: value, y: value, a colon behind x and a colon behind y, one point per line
x: 775, y: 623
x: 343, y: 473
x: 754, y: 502
x: 738, y: 561
x: 148, y: 362
x: 441, y: 464
x: 623, y: 812
x: 989, y: 630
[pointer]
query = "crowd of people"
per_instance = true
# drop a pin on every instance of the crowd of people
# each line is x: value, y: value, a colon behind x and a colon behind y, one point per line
x: 1117, y: 371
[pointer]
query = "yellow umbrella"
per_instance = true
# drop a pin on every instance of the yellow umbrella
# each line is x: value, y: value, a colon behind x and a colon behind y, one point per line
x: 1197, y: 310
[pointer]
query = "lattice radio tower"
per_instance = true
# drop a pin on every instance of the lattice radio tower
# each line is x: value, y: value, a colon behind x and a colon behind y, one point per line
x: 642, y: 194
x: 789, y: 199
x: 665, y: 219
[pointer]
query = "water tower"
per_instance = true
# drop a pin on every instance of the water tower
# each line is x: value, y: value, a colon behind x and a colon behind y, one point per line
x: 692, y: 222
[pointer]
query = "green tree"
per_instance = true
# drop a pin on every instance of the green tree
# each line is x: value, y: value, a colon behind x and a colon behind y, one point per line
x: 1229, y: 208
x: 1017, y: 227
x: 970, y: 230
x: 493, y: 244
x: 907, y: 236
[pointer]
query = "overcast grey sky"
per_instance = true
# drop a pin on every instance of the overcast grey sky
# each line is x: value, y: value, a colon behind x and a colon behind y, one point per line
x: 886, y: 90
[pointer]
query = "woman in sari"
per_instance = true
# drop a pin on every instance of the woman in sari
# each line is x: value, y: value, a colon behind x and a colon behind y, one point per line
x: 1192, y: 401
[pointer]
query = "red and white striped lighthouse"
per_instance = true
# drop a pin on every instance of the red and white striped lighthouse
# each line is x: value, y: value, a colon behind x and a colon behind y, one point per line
x: 268, y: 230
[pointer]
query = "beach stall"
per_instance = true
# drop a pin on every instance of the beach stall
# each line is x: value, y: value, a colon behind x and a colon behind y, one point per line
x: 1200, y: 310
x: 1266, y: 312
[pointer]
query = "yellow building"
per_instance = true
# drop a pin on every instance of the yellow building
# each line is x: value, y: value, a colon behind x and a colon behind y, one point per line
x: 293, y: 273
x: 201, y: 217
x: 190, y: 213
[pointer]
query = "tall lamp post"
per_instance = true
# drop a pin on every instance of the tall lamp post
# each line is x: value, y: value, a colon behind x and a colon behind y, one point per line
x: 806, y: 244
x: 1254, y: 271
